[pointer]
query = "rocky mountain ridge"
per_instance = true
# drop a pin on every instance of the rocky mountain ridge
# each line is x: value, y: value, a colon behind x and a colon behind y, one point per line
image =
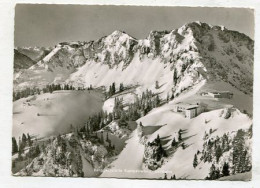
x: 194, y: 52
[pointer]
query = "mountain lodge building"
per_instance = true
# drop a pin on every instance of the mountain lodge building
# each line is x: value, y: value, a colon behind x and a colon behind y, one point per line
x: 218, y: 94
x: 190, y: 110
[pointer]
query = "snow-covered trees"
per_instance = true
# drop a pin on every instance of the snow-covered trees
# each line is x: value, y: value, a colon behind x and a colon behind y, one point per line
x: 215, y: 148
x: 56, y: 87
x: 60, y: 157
x: 36, y: 91
x: 241, y: 157
x: 34, y: 151
x: 214, y: 173
x: 154, y: 154
x: 140, y: 107
x: 112, y: 89
x: 25, y: 93
x: 96, y: 122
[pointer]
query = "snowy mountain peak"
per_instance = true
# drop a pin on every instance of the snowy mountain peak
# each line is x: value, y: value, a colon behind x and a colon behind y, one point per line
x: 118, y: 37
x: 117, y: 33
x: 198, y: 22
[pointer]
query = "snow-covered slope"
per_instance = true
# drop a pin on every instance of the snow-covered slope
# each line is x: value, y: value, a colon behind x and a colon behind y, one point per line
x: 52, y: 114
x: 180, y: 162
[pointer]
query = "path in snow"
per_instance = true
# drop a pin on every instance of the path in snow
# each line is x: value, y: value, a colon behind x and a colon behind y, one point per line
x: 130, y: 158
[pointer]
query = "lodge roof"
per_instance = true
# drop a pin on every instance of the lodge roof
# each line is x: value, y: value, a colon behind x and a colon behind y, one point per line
x: 187, y: 106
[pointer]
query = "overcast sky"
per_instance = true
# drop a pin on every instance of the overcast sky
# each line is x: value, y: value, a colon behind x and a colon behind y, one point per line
x: 47, y: 25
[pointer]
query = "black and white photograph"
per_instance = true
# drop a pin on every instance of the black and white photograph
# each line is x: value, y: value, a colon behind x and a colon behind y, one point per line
x: 133, y: 92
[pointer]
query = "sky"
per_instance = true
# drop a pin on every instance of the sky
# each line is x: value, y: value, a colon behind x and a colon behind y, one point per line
x: 47, y: 25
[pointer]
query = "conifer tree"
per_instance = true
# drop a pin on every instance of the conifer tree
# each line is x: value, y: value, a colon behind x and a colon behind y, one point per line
x: 157, y: 100
x: 195, y: 161
x: 37, y: 150
x: 156, y: 85
x: 22, y: 143
x: 110, y: 91
x: 174, y: 143
x: 19, y: 154
x: 14, y: 145
x: 113, y: 88
x: 101, y: 137
x: 225, y: 169
x: 24, y: 139
x: 239, y: 151
x: 107, y: 138
x: 180, y: 135
x: 172, y: 97
x: 157, y: 140
x: 175, y: 77
x: 121, y: 87
x: 218, y: 153
x: 29, y: 139
x: 214, y: 173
